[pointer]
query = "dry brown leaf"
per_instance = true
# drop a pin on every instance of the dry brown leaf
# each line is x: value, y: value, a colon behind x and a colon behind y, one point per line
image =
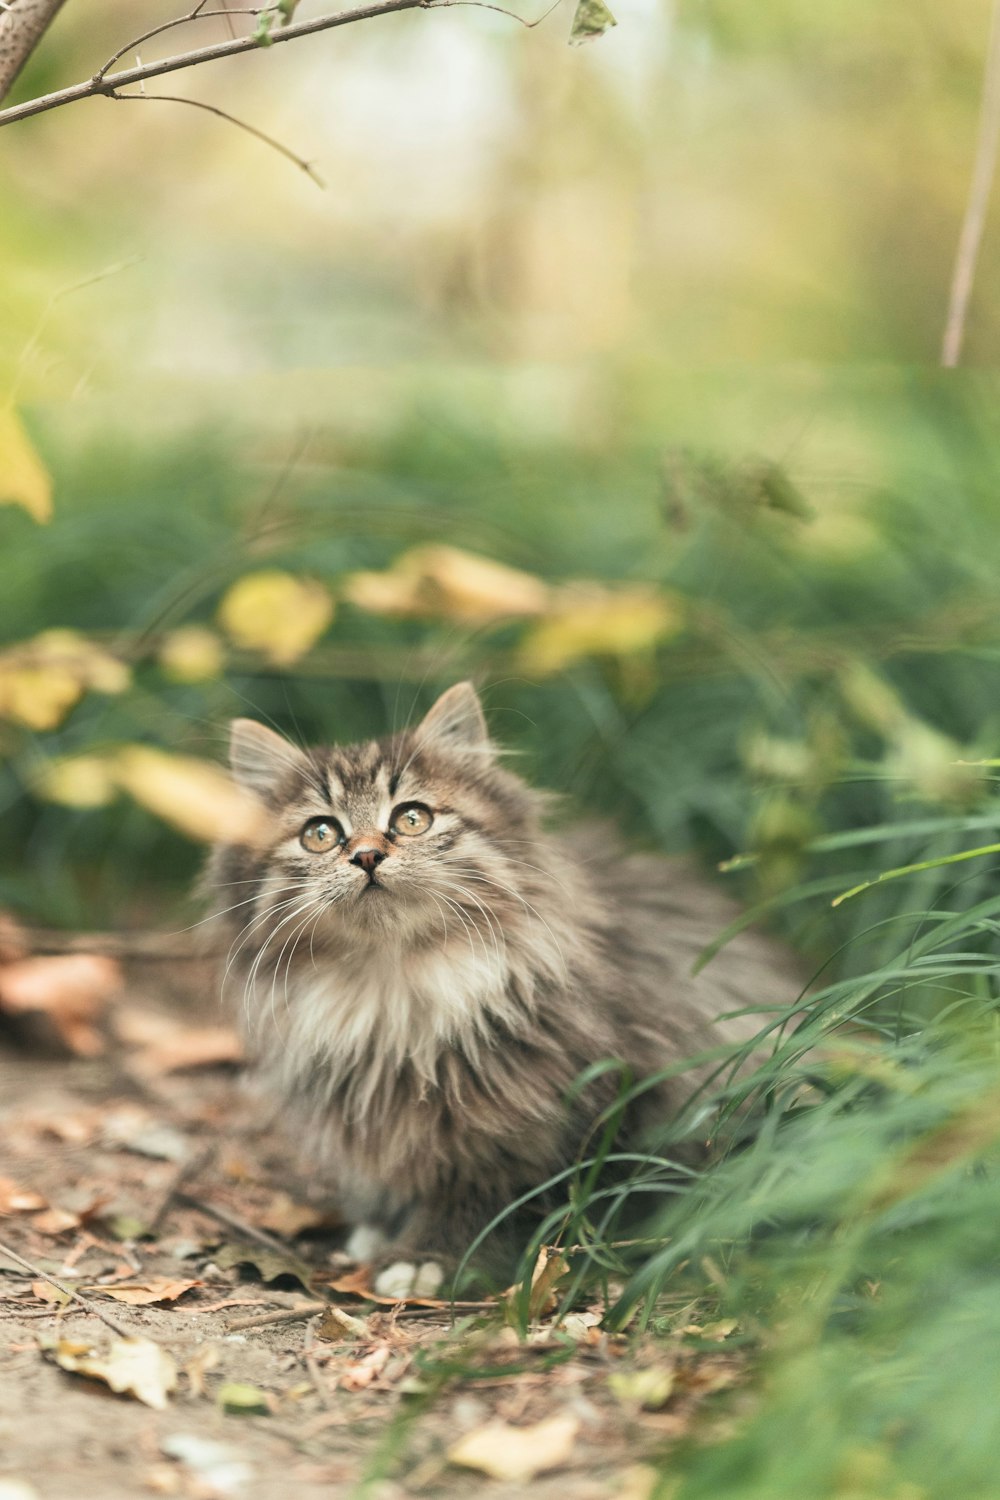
x: 276, y: 613
x: 191, y: 1047
x: 18, y: 1200
x: 46, y: 1292
x: 516, y: 1454
x: 72, y: 989
x: 442, y: 580
x: 286, y: 1217
x: 135, y: 1367
x: 146, y: 1293
x: 359, y: 1376
x: 335, y: 1323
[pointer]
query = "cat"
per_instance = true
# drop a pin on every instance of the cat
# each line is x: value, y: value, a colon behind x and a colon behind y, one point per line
x: 425, y: 971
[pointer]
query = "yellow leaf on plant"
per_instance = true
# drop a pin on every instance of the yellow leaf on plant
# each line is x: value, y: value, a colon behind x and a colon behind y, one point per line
x: 195, y: 796
x: 24, y: 479
x: 77, y: 781
x: 516, y: 1454
x: 445, y: 581
x: 41, y: 679
x: 588, y: 620
x: 276, y: 613
x: 192, y: 654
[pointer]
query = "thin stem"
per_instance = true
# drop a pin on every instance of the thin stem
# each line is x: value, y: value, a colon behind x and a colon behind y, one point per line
x: 980, y: 189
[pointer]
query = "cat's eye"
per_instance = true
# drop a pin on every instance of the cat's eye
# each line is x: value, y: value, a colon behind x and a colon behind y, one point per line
x: 411, y: 818
x: 321, y: 834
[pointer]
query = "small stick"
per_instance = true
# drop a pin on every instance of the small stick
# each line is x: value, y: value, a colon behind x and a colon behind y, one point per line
x: 233, y: 1222
x: 185, y: 1171
x: 282, y: 1315
x: 67, y: 1291
x: 313, y: 1369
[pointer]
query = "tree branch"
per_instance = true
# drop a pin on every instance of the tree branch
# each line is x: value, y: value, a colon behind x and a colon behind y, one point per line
x: 23, y: 23
x: 108, y: 84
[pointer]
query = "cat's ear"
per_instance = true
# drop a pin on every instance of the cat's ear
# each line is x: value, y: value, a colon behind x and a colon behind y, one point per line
x: 260, y: 759
x: 456, y: 722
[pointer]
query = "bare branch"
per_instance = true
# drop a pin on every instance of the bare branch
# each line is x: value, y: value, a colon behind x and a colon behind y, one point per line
x: 110, y: 84
x: 980, y: 189
x: 213, y: 109
x: 23, y: 23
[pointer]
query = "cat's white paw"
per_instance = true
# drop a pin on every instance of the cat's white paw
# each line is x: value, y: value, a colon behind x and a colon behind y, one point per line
x: 404, y: 1278
x: 364, y: 1242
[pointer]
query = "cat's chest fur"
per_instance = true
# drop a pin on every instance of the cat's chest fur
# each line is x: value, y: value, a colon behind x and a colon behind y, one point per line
x: 365, y: 1014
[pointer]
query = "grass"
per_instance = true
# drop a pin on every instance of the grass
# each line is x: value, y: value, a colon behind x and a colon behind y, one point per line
x: 806, y: 728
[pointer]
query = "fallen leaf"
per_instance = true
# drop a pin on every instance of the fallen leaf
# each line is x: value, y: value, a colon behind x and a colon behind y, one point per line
x: 71, y: 989
x: 24, y: 479
x: 241, y: 1399
x: 649, y: 1389
x: 146, y: 1293
x: 286, y: 1217
x: 200, y: 1365
x: 195, y: 796
x: 276, y: 613
x: 359, y: 1376
x: 516, y: 1454
x: 195, y: 1047
x: 549, y: 1270
x: 46, y: 1292
x: 18, y: 1200
x: 221, y: 1468
x: 135, y: 1367
x: 269, y: 1264
x: 335, y: 1323
x: 445, y: 581
x: 56, y: 1221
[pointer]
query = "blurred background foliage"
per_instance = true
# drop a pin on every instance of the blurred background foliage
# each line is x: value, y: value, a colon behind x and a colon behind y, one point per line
x: 653, y: 324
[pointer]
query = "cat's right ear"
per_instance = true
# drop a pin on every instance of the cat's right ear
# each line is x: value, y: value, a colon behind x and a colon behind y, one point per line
x: 259, y: 759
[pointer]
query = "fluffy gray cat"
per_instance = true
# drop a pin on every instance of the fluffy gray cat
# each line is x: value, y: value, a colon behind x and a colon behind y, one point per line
x: 425, y: 971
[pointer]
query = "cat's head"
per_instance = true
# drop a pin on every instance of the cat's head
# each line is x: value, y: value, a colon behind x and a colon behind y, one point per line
x: 394, y: 834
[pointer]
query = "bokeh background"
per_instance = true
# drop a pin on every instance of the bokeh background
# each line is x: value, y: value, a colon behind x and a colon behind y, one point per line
x: 655, y: 324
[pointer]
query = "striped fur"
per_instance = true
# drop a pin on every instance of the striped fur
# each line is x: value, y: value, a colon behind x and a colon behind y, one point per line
x: 429, y: 1019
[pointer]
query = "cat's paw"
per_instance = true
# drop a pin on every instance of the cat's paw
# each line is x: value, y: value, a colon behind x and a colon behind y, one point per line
x: 365, y: 1242
x: 405, y: 1278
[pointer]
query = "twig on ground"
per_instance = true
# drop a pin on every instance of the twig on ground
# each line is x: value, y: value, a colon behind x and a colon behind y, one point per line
x: 184, y: 1173
x: 312, y: 1368
x: 232, y: 1221
x: 280, y: 1315
x: 120, y: 1328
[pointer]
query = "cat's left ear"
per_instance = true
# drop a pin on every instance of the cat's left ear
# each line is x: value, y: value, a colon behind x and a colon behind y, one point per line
x: 456, y: 722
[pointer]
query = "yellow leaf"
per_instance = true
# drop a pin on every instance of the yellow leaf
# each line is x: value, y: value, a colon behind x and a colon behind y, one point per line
x: 192, y: 795
x: 588, y: 620
x: 649, y: 1389
x: 516, y: 1453
x: 77, y: 781
x: 192, y: 654
x: 41, y: 679
x: 24, y: 479
x: 276, y: 613
x: 445, y: 581
x: 135, y: 1366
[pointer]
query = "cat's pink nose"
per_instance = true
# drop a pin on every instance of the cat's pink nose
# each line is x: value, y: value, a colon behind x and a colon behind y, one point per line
x: 367, y: 859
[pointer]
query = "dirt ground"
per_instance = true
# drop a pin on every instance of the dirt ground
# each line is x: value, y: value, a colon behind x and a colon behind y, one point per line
x: 150, y: 1181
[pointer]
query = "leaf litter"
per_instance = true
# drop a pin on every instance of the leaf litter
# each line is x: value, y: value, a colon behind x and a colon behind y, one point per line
x: 327, y: 1378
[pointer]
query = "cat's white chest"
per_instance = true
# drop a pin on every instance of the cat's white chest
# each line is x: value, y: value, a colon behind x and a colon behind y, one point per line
x: 385, y: 1007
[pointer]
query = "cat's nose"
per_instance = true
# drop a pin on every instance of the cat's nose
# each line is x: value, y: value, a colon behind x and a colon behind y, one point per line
x: 367, y: 858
